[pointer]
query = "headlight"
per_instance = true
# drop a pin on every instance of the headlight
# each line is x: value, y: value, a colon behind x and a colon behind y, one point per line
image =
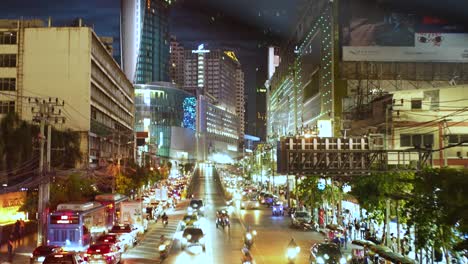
x: 292, y: 253
x: 320, y: 260
x: 248, y: 236
x: 162, y: 247
x: 183, y: 240
x: 254, y: 233
x: 342, y: 260
x: 274, y: 209
x: 41, y: 259
x: 326, y: 256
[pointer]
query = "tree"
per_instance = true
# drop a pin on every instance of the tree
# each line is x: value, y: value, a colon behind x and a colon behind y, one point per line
x: 74, y: 187
x: 437, y: 208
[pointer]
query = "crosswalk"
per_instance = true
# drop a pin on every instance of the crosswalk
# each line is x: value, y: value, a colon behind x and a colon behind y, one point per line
x: 146, y: 251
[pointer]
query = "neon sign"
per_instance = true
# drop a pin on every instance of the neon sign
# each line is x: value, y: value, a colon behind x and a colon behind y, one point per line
x: 201, y: 49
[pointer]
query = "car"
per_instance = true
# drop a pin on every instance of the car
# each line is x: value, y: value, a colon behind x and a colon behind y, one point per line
x: 189, y: 220
x: 114, y: 239
x: 103, y: 253
x: 196, y: 206
x: 40, y: 253
x: 127, y: 233
x: 250, y: 203
x: 193, y: 236
x: 300, y: 217
x: 64, y: 258
x: 324, y: 253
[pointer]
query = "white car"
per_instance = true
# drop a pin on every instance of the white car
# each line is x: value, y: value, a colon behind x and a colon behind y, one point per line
x: 301, y: 217
x: 252, y: 203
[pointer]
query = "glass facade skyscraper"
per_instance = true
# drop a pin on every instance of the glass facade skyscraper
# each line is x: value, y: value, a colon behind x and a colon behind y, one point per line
x: 145, y: 40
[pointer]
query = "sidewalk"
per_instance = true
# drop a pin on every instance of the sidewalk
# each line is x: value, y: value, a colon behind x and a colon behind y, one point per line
x: 22, y: 250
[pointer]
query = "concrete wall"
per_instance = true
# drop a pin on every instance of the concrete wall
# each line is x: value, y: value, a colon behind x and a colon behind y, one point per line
x: 57, y: 62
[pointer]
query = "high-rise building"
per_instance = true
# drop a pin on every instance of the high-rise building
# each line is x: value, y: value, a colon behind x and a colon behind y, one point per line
x: 240, y: 101
x: 145, y: 40
x: 214, y: 72
x: 176, y: 67
x: 73, y: 65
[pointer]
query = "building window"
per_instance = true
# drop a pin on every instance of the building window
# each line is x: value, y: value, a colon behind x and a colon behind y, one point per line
x: 458, y: 139
x: 7, y: 84
x: 7, y: 37
x: 7, y: 107
x: 416, y: 104
x: 411, y: 140
x: 7, y: 60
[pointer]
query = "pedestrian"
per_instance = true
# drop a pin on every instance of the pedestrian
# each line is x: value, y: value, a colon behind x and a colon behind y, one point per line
x: 357, y: 228
x: 394, y: 245
x: 22, y: 228
x: 345, y: 237
x: 363, y: 230
x: 350, y: 230
x: 10, y: 247
x: 17, y: 229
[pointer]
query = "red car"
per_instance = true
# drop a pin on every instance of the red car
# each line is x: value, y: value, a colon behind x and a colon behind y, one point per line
x: 104, y: 253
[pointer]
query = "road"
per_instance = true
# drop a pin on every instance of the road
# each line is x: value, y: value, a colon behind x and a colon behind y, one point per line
x: 224, y: 246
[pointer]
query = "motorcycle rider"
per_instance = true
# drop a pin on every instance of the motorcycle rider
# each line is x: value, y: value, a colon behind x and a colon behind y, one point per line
x: 165, y: 218
x: 246, y: 256
x: 292, y: 243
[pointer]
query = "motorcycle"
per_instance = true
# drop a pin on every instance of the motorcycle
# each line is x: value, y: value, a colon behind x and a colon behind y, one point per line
x: 223, y: 221
x: 163, y: 251
x: 277, y: 210
x: 291, y: 254
x: 249, y: 239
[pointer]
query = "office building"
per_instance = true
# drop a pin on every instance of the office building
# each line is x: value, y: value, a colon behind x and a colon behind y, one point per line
x: 240, y: 101
x: 73, y: 65
x: 168, y: 115
x: 176, y: 62
x: 145, y: 40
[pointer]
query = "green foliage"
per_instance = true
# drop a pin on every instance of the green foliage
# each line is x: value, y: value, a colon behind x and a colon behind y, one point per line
x: 16, y: 137
x: 73, y: 188
x: 438, y: 207
x: 372, y: 191
x: 69, y: 142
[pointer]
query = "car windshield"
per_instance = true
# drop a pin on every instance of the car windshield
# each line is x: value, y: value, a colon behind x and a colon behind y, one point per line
x: 196, y: 203
x: 193, y: 232
x: 59, y: 259
x: 45, y: 250
x: 121, y: 229
x: 99, y: 248
x: 188, y: 218
x: 107, y: 239
x: 331, y: 250
x: 301, y: 214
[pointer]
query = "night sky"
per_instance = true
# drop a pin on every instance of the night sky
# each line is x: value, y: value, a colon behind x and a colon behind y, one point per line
x: 245, y: 26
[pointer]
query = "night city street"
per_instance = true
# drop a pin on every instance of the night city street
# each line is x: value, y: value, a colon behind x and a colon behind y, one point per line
x: 234, y: 131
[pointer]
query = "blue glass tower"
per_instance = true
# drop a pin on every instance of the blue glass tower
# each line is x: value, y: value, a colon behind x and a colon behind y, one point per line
x: 145, y: 40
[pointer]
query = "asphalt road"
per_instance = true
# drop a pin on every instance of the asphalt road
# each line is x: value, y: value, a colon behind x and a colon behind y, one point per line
x: 224, y: 246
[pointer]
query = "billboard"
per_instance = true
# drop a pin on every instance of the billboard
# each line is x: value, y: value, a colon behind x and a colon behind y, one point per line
x: 373, y: 32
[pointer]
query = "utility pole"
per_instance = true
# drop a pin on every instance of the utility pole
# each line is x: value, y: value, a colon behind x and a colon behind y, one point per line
x: 45, y: 112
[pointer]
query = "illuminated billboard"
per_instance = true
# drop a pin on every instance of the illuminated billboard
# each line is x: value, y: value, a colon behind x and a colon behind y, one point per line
x: 373, y: 32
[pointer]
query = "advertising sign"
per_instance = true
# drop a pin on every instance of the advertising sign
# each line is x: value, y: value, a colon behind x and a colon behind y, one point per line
x: 373, y: 32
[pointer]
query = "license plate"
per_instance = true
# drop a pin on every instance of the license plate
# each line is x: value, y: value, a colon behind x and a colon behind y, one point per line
x: 97, y: 256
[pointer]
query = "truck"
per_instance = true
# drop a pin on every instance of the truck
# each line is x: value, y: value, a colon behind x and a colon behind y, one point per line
x: 132, y: 213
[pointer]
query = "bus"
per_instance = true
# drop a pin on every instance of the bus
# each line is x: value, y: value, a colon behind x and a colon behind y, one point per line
x: 73, y: 226
x: 113, y: 201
